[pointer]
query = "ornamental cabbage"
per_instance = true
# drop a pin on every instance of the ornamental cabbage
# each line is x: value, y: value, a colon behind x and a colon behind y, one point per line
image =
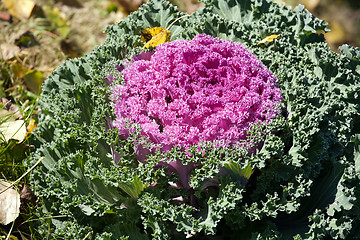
x: 265, y: 147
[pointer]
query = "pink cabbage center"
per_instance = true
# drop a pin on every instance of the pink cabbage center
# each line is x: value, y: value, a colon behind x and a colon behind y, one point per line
x: 205, y: 89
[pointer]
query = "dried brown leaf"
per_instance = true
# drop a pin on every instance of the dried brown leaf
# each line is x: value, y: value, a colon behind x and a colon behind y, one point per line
x: 9, y: 204
x: 8, y: 51
x: 11, y: 128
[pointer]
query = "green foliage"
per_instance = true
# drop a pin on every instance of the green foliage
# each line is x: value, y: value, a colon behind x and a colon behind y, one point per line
x: 302, y: 183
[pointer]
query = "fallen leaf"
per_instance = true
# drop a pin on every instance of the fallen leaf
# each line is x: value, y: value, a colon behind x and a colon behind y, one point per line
x: 33, y: 80
x: 26, y: 195
x: 19, y: 8
x: 30, y: 127
x: 9, y: 203
x: 27, y: 39
x: 10, y: 127
x: 8, y: 51
x: 269, y: 39
x: 18, y: 70
x: 155, y: 36
x: 148, y: 33
x: 58, y: 20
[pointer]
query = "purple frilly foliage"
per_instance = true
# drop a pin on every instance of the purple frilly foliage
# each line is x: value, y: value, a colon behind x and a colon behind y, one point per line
x: 187, y: 92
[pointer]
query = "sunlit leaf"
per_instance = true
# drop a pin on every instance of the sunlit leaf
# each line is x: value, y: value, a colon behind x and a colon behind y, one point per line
x: 19, y: 8
x: 134, y: 188
x: 243, y: 174
x: 31, y: 127
x: 111, y: 7
x: 9, y: 204
x: 155, y: 36
x: 269, y: 39
x: 337, y: 33
x: 148, y: 33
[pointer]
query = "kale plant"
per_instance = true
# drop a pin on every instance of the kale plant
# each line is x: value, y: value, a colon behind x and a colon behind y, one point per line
x: 213, y: 135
